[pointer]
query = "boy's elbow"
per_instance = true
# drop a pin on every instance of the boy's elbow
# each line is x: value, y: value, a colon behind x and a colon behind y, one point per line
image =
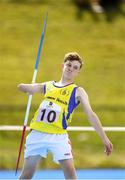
x: 92, y: 115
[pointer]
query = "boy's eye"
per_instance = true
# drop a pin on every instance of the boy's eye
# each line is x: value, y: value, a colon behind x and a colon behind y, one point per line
x: 75, y: 67
x: 69, y: 65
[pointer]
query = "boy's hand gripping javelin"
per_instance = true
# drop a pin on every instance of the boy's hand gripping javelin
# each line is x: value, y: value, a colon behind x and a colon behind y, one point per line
x: 30, y: 96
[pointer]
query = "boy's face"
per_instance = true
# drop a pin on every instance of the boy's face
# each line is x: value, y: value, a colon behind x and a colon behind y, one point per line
x: 71, y: 69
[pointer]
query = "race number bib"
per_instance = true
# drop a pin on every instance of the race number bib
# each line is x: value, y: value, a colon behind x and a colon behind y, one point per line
x: 48, y: 112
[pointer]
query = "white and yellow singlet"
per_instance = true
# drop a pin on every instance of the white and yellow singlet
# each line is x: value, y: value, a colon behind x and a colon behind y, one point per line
x: 55, y: 111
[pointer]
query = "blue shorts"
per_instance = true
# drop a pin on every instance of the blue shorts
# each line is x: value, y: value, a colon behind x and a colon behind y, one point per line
x: 39, y: 143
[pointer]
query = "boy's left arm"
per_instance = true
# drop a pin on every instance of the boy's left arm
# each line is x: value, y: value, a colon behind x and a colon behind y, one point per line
x: 93, y: 119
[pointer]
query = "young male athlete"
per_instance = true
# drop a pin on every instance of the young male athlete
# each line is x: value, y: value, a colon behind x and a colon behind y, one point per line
x: 50, y: 121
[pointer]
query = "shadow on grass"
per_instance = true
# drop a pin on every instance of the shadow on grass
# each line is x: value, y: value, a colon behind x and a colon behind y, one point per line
x: 112, y: 9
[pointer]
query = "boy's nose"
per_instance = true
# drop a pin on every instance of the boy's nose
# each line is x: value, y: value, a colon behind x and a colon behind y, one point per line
x: 70, y: 69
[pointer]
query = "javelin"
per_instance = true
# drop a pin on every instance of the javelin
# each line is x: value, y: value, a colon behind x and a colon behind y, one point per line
x: 30, y: 96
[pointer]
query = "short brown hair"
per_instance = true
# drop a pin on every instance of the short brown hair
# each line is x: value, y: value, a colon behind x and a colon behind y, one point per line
x: 73, y: 56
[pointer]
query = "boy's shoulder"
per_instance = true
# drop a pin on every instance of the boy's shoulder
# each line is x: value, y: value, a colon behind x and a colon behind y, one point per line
x: 81, y: 91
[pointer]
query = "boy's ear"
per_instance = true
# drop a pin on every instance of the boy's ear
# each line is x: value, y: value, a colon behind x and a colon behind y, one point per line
x: 62, y: 65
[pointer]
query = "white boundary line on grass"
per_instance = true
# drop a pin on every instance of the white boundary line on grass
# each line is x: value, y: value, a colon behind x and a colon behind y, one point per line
x: 71, y: 128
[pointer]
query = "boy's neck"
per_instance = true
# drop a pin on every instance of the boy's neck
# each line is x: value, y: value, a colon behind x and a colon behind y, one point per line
x: 64, y: 82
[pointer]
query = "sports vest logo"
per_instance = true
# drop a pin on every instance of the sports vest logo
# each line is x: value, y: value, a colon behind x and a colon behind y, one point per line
x: 64, y: 92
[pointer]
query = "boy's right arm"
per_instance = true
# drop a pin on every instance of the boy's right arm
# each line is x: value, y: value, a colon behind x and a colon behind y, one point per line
x: 32, y: 88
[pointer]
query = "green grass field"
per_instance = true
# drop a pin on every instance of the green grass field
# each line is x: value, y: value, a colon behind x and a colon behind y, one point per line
x: 100, y: 40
